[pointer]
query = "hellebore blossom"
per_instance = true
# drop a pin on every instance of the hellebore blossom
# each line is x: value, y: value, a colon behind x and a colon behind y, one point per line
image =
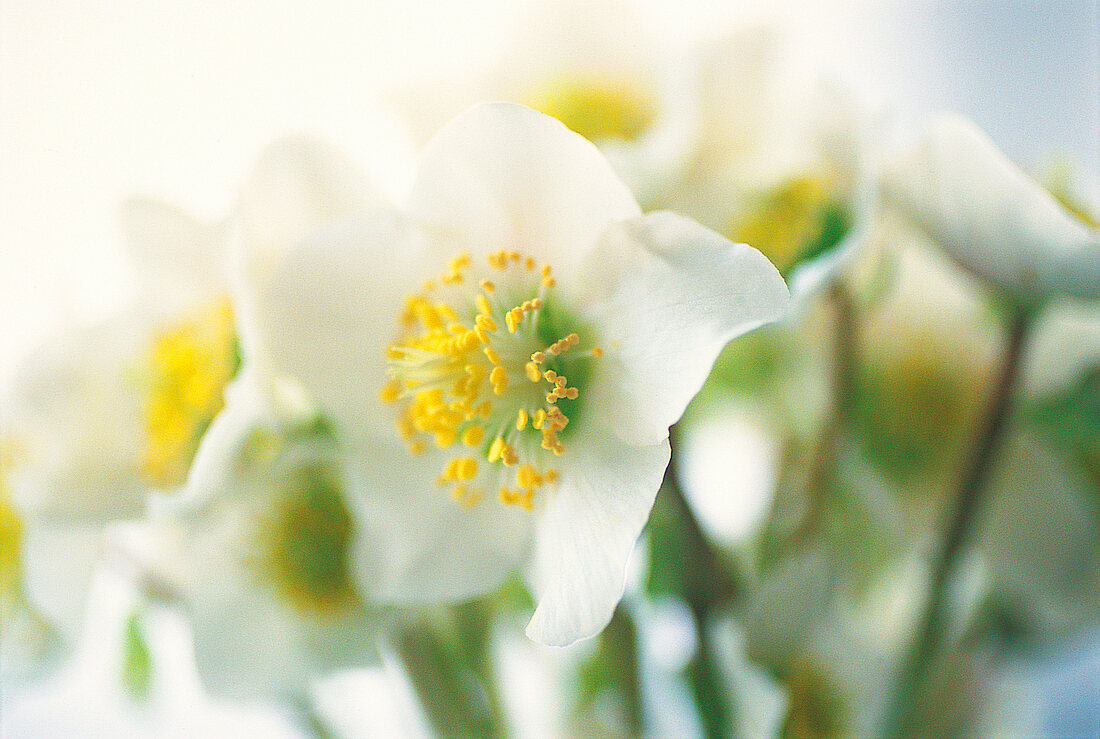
x: 255, y: 548
x: 993, y: 219
x: 256, y: 552
x: 508, y: 354
x: 104, y: 413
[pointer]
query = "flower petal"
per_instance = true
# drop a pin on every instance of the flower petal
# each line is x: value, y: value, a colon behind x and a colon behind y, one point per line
x: 586, y: 533
x: 419, y: 545
x: 180, y: 260
x: 327, y: 314
x: 58, y: 558
x: 65, y: 395
x: 501, y: 176
x: 991, y: 217
x: 298, y: 185
x: 668, y: 294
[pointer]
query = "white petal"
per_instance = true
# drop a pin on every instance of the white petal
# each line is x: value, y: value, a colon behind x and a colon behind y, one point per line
x: 668, y: 294
x: 221, y: 452
x: 993, y: 218
x: 58, y: 559
x: 419, y: 545
x: 329, y: 312
x: 65, y: 396
x: 298, y: 185
x: 180, y: 260
x: 501, y: 176
x: 586, y: 533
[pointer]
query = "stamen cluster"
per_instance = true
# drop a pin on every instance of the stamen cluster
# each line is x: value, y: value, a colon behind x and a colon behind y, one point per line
x: 462, y: 381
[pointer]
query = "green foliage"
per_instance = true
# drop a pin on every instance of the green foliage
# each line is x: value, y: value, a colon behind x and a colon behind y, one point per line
x: 613, y: 669
x: 1071, y: 420
x: 137, y: 660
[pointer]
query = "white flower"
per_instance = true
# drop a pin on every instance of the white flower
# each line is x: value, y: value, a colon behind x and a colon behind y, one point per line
x: 775, y: 157
x: 258, y: 553
x: 508, y: 356
x: 104, y: 414
x: 991, y: 217
x: 256, y: 547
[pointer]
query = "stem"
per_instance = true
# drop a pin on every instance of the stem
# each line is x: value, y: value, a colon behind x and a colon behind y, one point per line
x: 819, y: 480
x: 928, y: 643
x: 457, y: 699
x: 707, y: 587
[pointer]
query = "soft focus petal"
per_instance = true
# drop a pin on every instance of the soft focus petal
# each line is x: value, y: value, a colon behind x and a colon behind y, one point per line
x: 298, y: 184
x: 180, y: 260
x: 669, y: 294
x: 993, y: 218
x: 501, y: 176
x: 226, y: 442
x: 586, y: 533
x: 419, y: 545
x: 327, y: 313
x: 66, y: 396
x: 58, y: 559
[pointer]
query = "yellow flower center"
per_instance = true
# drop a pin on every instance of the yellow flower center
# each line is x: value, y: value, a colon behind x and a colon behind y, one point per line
x: 187, y: 368
x: 307, y: 541
x: 11, y: 536
x: 598, y: 108
x: 798, y: 220
x: 489, y: 367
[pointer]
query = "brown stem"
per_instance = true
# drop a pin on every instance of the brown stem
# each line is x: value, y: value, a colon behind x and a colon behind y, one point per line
x: 928, y: 642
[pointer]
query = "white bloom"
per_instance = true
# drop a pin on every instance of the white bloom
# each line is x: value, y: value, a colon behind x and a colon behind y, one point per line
x: 991, y: 217
x: 776, y: 157
x: 515, y: 409
x: 256, y: 548
x: 104, y: 413
x: 258, y: 553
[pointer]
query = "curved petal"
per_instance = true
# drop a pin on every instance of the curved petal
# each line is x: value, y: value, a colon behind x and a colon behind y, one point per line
x: 65, y: 396
x: 586, y: 533
x: 180, y: 260
x: 298, y: 185
x: 221, y: 452
x: 328, y: 313
x: 991, y: 217
x: 668, y: 294
x: 419, y: 545
x: 58, y: 560
x: 501, y: 176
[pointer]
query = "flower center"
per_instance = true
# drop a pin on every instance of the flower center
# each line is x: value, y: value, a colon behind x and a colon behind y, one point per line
x: 798, y: 220
x: 308, y: 538
x: 188, y: 367
x: 598, y: 108
x: 488, y: 364
x: 11, y: 535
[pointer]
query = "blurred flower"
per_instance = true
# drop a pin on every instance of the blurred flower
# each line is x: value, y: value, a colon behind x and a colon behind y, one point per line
x: 104, y: 413
x: 775, y: 157
x: 258, y: 547
x: 525, y: 369
x: 258, y: 553
x: 992, y: 218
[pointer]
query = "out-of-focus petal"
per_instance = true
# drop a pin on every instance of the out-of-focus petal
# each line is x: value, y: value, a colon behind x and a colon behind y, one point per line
x: 991, y: 217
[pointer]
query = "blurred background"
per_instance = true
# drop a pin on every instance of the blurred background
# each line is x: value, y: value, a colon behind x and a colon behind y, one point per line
x: 175, y: 102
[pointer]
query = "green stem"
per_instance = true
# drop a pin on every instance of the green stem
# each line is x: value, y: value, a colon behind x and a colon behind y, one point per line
x: 708, y: 588
x: 928, y: 643
x: 820, y: 478
x: 457, y: 695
